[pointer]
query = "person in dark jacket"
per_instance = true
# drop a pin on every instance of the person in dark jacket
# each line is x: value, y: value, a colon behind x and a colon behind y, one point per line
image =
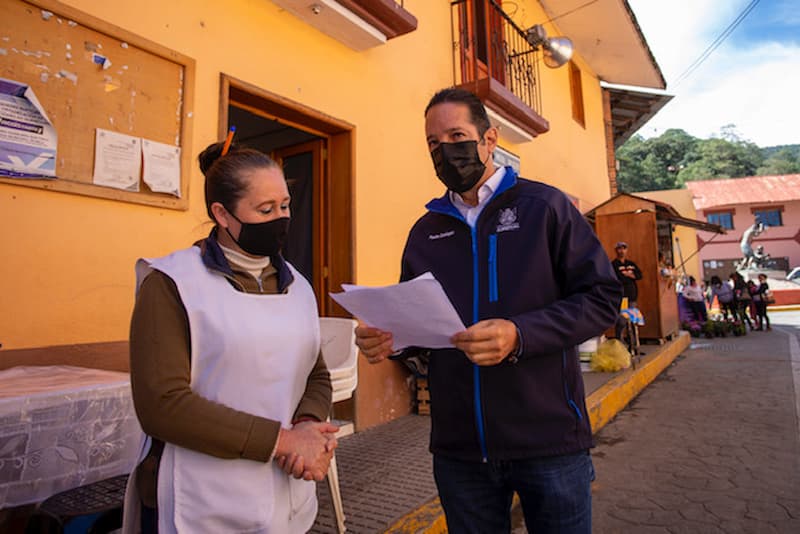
x: 526, y: 272
x: 628, y: 273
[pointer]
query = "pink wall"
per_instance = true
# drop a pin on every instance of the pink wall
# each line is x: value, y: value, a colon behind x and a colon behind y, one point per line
x: 778, y: 241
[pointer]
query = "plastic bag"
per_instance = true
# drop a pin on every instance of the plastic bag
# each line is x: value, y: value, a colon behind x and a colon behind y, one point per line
x: 611, y: 356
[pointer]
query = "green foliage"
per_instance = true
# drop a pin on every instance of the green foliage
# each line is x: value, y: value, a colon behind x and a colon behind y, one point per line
x: 675, y: 157
x: 785, y: 160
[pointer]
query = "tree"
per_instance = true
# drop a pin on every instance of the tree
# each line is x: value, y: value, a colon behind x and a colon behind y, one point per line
x: 675, y: 157
x: 722, y: 158
x: 647, y: 165
x: 786, y: 160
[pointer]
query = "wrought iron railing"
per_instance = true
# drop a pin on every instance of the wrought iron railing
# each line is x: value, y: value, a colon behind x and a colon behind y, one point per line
x: 487, y: 43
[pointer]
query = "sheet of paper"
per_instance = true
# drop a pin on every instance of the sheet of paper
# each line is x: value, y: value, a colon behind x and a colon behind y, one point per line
x: 161, y: 167
x: 117, y: 160
x: 28, y: 140
x: 417, y: 312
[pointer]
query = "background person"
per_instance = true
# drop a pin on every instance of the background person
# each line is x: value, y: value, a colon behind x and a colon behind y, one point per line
x: 527, y: 274
x: 226, y: 369
x: 628, y: 273
x: 696, y: 300
x: 741, y: 299
x: 724, y: 293
x: 761, y: 302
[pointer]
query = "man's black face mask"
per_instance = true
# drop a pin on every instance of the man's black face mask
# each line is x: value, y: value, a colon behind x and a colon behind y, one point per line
x: 458, y: 165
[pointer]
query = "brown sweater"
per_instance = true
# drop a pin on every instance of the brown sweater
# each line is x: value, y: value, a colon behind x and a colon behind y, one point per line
x: 166, y: 406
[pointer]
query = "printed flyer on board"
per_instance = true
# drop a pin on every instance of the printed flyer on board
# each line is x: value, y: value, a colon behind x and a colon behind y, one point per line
x: 28, y: 140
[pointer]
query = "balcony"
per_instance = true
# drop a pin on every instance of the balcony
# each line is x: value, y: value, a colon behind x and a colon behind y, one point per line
x: 359, y: 24
x: 493, y: 59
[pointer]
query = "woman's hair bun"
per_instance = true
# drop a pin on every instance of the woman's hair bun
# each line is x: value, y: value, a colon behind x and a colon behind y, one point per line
x: 211, y: 154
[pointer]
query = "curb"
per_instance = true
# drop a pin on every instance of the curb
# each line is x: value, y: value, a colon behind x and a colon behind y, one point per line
x: 603, y: 404
x: 612, y: 397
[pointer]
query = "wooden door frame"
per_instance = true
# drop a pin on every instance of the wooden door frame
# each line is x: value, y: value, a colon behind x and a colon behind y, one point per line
x: 338, y: 170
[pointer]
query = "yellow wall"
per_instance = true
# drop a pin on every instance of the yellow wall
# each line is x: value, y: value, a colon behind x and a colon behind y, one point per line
x: 67, y: 272
x: 681, y: 200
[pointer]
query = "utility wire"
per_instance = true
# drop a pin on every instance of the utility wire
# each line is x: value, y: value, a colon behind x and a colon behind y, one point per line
x: 717, y: 42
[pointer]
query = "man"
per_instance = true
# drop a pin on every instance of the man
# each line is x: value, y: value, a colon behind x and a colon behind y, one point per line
x: 523, y: 268
x: 628, y: 273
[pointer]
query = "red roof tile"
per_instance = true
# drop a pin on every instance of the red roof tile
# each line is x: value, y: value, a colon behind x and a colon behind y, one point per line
x: 750, y: 190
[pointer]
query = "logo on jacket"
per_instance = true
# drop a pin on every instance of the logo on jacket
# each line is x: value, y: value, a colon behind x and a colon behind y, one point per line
x: 507, y: 220
x: 442, y: 235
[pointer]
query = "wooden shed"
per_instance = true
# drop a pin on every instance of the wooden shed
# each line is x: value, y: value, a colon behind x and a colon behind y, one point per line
x: 646, y: 226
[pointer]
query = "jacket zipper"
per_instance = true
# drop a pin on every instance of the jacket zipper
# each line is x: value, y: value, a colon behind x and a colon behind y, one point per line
x: 476, y: 370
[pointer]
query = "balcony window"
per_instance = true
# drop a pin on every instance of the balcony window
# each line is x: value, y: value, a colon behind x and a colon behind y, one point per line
x: 494, y: 60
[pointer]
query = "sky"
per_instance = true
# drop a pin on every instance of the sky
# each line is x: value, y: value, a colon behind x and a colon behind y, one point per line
x: 752, y: 80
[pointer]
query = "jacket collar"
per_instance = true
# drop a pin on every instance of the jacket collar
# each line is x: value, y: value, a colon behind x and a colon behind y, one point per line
x: 215, y: 260
x: 444, y: 205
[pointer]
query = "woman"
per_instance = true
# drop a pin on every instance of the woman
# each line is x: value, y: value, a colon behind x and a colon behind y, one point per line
x: 741, y: 299
x: 228, y: 381
x: 697, y: 302
x: 761, y: 299
x: 724, y: 293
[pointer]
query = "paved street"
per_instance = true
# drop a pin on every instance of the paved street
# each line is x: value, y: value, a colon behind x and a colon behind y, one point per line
x: 712, y: 445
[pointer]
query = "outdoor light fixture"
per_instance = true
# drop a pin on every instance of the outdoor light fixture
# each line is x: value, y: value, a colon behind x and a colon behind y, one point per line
x: 557, y: 50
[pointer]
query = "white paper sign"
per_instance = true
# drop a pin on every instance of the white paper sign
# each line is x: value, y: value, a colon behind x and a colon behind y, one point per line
x: 28, y: 140
x: 162, y: 167
x: 117, y: 160
x: 417, y: 312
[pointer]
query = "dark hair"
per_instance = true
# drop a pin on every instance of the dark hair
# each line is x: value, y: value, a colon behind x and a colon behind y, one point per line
x: 224, y: 174
x: 715, y: 281
x: 477, y: 113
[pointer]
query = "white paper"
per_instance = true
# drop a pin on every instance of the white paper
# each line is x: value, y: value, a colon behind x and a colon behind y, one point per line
x: 28, y: 140
x: 417, y: 312
x: 162, y: 167
x: 117, y: 160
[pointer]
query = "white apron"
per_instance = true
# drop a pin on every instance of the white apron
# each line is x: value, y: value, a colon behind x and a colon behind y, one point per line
x: 253, y: 353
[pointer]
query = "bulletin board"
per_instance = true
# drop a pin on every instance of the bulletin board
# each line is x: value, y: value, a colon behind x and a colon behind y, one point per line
x: 144, y: 90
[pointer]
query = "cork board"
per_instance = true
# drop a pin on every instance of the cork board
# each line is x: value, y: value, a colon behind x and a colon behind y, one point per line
x: 145, y: 90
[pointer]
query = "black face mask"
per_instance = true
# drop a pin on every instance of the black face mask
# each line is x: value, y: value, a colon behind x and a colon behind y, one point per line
x: 261, y: 239
x: 458, y: 165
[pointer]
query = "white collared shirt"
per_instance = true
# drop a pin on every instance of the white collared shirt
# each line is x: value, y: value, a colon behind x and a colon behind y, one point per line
x: 485, y: 192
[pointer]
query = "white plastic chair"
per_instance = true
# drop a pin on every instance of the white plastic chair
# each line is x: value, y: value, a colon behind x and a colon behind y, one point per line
x: 339, y: 350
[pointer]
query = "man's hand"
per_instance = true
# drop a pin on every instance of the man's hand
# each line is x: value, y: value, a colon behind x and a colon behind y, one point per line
x: 375, y: 344
x: 487, y: 342
x: 306, y: 450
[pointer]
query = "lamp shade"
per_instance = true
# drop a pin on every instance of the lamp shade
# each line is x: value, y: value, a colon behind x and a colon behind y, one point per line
x: 557, y: 51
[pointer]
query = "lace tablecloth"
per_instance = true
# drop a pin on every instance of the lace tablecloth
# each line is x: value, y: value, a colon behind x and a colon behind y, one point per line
x: 62, y: 427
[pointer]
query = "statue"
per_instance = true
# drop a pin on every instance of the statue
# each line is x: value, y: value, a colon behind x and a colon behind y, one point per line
x: 750, y: 258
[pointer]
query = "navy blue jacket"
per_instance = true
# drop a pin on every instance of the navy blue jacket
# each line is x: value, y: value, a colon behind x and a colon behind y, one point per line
x: 534, y: 260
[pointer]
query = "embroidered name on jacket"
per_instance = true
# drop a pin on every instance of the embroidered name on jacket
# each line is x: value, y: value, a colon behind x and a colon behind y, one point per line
x: 507, y: 220
x: 442, y: 235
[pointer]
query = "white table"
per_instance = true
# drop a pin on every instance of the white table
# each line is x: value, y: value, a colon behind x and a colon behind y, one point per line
x: 62, y: 427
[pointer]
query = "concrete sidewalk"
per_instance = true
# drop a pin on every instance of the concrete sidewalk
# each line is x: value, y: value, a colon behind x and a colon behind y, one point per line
x: 385, y: 473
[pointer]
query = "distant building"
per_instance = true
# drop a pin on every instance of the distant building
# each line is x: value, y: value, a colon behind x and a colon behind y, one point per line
x: 735, y: 204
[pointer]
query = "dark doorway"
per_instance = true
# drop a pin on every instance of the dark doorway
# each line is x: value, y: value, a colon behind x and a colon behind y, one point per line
x: 315, y: 153
x: 293, y: 149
